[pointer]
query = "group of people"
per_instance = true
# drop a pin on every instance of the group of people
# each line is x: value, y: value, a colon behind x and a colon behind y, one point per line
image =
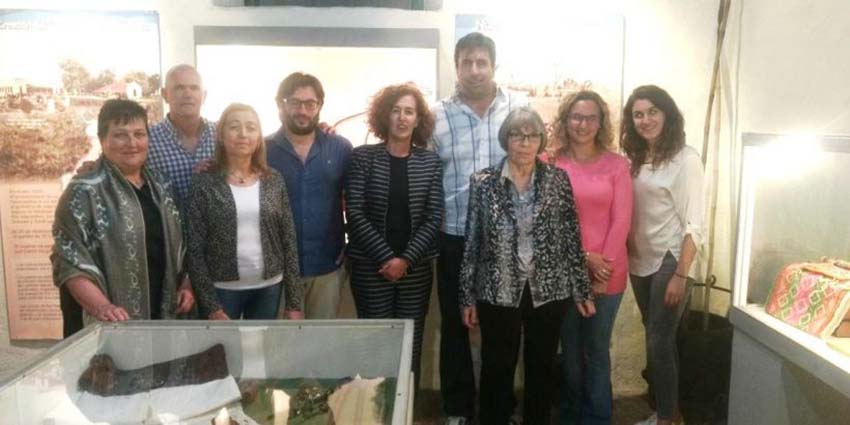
x: 195, y: 217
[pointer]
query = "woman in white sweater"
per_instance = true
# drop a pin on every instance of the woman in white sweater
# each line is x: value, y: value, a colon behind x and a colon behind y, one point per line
x: 667, y: 229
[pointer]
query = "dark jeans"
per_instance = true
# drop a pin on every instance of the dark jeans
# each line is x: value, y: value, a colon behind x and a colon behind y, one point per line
x: 252, y: 304
x: 457, y: 382
x: 661, y: 325
x: 585, y: 345
x: 500, y: 339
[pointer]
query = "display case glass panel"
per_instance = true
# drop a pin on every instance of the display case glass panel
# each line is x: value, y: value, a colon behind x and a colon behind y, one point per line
x: 794, y: 207
x: 192, y: 372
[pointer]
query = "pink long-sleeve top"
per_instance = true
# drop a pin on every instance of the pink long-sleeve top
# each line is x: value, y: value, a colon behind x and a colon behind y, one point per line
x: 603, y: 197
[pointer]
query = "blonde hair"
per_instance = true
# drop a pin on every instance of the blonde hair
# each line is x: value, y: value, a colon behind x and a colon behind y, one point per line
x: 258, y: 158
x: 604, y: 136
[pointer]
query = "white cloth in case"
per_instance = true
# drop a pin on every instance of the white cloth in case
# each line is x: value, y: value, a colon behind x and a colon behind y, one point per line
x: 160, y: 406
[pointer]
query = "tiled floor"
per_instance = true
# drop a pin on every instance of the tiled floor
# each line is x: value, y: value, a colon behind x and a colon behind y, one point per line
x: 628, y: 409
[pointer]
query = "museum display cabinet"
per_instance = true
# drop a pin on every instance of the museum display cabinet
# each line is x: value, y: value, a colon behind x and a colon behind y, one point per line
x: 235, y: 372
x: 794, y: 220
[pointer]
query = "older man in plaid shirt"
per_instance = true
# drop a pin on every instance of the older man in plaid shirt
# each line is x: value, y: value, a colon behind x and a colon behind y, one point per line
x: 183, y: 138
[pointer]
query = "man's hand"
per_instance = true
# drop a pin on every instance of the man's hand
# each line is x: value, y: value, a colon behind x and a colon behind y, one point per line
x: 110, y: 313
x: 218, y: 315
x: 203, y: 165
x: 185, y: 296
x: 326, y: 128
x: 394, y: 269
x: 470, y: 316
x: 85, y: 167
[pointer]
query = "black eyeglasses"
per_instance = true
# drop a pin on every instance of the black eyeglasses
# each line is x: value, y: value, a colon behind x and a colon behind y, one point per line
x: 578, y: 118
x: 517, y: 137
x: 296, y: 104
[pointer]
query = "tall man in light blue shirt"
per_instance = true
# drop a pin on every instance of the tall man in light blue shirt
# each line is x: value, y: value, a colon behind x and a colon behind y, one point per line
x: 466, y: 139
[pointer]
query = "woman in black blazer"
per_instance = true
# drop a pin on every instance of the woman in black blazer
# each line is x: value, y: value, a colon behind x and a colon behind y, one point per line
x: 394, y: 206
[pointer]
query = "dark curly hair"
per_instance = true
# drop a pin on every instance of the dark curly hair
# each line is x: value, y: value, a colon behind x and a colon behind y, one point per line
x: 672, y: 138
x: 382, y: 104
x: 604, y: 137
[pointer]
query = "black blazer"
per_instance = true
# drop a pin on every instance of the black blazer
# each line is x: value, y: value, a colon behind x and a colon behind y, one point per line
x: 366, y: 193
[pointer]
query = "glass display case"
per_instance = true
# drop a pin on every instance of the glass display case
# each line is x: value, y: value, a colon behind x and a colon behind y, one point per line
x: 794, y: 207
x: 237, y: 372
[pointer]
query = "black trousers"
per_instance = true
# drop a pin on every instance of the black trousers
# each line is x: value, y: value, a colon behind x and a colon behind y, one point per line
x: 457, y: 382
x: 501, y: 328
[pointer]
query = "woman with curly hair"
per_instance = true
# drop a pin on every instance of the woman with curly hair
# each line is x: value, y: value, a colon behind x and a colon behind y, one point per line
x: 394, y: 206
x: 602, y: 188
x: 667, y: 228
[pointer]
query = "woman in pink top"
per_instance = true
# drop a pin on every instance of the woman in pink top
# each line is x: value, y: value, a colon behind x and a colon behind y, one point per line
x: 603, y: 194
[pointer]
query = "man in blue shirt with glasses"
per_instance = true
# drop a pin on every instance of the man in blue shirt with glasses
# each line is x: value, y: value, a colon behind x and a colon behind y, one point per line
x: 313, y: 164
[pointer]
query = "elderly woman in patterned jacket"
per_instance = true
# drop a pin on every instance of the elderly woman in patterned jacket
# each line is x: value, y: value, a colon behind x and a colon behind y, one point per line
x: 394, y: 205
x: 242, y: 254
x: 118, y: 250
x: 522, y: 263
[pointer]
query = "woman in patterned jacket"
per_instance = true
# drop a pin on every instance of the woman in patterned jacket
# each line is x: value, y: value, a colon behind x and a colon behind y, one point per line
x: 522, y: 263
x: 118, y: 240
x: 394, y: 205
x: 243, y: 260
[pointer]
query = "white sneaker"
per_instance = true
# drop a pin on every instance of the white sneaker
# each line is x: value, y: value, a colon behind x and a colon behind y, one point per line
x: 651, y: 420
x: 456, y: 420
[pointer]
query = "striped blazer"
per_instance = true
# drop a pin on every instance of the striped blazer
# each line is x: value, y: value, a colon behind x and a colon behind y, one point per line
x: 366, y: 194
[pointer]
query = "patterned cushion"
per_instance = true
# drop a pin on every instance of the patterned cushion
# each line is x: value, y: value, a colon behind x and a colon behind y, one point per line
x: 812, y: 297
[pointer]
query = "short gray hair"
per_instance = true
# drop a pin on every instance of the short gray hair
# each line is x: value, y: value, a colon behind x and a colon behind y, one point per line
x: 519, y: 118
x: 181, y: 67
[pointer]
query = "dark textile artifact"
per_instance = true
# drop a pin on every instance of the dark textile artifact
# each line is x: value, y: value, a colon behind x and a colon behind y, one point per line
x: 104, y: 379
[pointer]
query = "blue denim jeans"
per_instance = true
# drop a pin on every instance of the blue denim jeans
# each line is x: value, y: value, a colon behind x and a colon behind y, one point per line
x: 586, y: 397
x: 252, y: 304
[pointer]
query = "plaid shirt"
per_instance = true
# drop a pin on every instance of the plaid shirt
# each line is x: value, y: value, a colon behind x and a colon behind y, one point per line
x: 167, y: 155
x: 467, y: 143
